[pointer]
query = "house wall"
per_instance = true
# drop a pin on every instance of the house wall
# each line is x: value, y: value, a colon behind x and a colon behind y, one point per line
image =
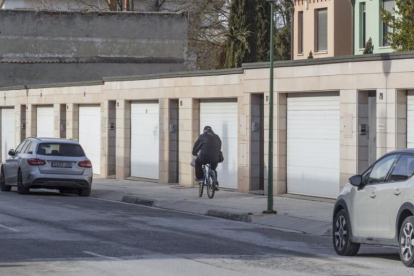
x: 390, y: 78
x: 339, y: 28
x: 373, y: 27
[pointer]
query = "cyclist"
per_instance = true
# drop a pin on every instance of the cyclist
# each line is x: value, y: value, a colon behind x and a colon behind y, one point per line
x: 209, y: 146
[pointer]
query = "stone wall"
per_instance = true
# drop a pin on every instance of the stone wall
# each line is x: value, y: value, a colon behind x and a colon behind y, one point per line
x: 50, y: 47
x: 390, y: 76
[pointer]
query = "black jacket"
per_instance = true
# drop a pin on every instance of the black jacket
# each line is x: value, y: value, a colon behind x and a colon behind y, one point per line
x: 209, y: 145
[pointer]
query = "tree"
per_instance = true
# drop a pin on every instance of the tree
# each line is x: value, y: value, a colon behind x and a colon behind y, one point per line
x: 249, y: 30
x: 283, y: 19
x: 369, y: 47
x: 402, y: 24
x: 263, y: 31
x: 242, y: 33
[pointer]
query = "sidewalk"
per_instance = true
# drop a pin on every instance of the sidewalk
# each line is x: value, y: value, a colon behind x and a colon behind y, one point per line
x: 306, y: 215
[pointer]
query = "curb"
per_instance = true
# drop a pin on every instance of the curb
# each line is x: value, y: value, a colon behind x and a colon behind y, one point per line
x: 229, y: 215
x: 211, y: 213
x: 137, y: 200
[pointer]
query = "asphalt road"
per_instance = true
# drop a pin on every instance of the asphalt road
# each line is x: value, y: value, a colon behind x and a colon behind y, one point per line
x: 46, y: 233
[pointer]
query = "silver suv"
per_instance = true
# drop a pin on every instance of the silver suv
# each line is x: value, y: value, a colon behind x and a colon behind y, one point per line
x: 47, y: 163
x: 377, y: 207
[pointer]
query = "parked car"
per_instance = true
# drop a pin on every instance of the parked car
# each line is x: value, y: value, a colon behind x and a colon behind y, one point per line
x: 47, y: 163
x: 377, y: 207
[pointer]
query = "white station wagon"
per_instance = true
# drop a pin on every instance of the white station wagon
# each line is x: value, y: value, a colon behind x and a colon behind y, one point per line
x: 377, y: 207
x: 47, y: 163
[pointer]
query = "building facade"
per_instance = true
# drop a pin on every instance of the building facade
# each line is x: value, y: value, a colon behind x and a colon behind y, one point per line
x: 368, y: 24
x: 322, y: 27
x: 333, y: 117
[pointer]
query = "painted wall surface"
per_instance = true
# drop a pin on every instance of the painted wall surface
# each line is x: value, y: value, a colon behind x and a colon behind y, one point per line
x: 12, y: 74
x: 88, y: 46
x: 94, y: 5
x: 339, y: 28
x: 61, y: 5
x: 373, y: 27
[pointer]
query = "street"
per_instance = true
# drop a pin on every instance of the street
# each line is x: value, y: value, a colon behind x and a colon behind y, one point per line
x: 46, y: 233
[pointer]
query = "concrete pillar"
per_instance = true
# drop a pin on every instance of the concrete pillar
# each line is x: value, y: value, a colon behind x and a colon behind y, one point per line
x: 72, y: 121
x: 348, y: 164
x: 31, y: 120
x: 20, y: 121
x: 123, y: 139
x: 104, y: 138
x: 244, y: 148
x: 280, y: 153
x: 173, y: 141
x: 163, y: 140
x: 108, y: 138
x: 189, y: 121
x: 59, y: 120
x: 391, y: 120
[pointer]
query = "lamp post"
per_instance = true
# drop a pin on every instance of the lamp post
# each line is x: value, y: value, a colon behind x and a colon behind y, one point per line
x: 270, y: 165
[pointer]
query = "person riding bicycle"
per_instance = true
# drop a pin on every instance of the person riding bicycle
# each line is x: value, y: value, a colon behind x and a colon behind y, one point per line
x: 209, y: 146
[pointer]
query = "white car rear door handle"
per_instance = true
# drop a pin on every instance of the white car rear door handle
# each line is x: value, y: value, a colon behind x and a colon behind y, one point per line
x: 397, y: 192
x: 373, y: 195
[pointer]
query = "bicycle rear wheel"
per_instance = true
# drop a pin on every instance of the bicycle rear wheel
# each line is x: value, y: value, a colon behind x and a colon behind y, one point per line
x: 211, y: 189
x: 200, y: 189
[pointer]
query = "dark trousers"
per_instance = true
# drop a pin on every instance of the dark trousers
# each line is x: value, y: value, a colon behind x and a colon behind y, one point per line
x: 199, y: 167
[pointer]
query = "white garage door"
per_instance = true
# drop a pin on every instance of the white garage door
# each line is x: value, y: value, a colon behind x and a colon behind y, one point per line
x: 313, y: 132
x: 410, y: 119
x: 7, y: 132
x: 222, y: 117
x: 45, y: 122
x: 145, y: 140
x: 90, y: 134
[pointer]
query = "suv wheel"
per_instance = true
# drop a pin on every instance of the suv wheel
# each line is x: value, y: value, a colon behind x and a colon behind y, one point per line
x: 3, y: 186
x: 341, y: 236
x: 406, y: 242
x: 85, y: 192
x: 22, y: 190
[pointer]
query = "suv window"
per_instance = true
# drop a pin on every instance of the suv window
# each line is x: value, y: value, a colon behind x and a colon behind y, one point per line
x: 56, y: 149
x: 19, y: 148
x: 380, y: 171
x: 26, y: 146
x: 404, y: 168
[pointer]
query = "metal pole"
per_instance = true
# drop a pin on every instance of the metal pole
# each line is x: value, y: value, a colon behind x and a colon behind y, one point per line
x: 270, y: 166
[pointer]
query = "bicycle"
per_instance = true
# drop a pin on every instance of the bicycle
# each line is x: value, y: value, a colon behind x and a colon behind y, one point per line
x: 210, y: 181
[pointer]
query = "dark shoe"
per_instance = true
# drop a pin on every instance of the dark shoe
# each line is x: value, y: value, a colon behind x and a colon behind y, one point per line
x: 217, y: 186
x: 199, y: 180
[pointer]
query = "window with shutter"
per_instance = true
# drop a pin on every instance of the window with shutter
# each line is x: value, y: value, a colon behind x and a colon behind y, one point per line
x: 388, y: 5
x: 322, y: 30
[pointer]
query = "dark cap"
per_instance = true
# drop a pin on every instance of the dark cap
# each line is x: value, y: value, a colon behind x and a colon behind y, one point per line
x: 207, y: 128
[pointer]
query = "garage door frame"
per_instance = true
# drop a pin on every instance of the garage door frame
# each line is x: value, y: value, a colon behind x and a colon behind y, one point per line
x: 151, y: 159
x: 322, y: 177
x: 49, y: 123
x: 95, y: 153
x: 230, y: 165
x: 11, y: 135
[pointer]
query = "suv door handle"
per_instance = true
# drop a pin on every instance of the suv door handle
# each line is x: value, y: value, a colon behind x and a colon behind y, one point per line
x: 397, y: 191
x: 373, y: 195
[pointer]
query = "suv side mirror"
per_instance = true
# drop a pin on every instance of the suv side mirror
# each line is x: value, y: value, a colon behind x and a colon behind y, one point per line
x: 356, y: 180
x: 12, y: 152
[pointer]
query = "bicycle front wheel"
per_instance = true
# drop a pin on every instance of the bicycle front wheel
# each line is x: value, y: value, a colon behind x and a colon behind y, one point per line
x: 200, y: 189
x: 211, y: 184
